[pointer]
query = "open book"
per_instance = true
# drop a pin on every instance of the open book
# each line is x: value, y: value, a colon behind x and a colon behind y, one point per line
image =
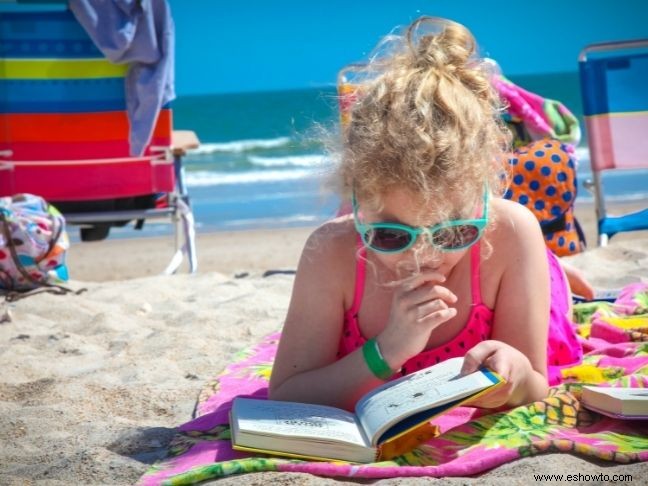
x: 624, y: 403
x: 388, y: 420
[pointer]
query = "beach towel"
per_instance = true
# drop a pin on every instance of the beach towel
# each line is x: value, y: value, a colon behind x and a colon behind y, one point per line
x: 532, y: 117
x: 142, y: 34
x: 614, y: 338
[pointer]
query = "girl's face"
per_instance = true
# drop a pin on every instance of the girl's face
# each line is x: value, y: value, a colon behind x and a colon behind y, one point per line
x: 401, y: 206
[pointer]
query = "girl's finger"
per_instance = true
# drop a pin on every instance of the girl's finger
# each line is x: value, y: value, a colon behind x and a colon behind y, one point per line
x: 426, y: 308
x: 499, y: 365
x: 493, y: 399
x: 425, y: 294
x: 438, y: 317
x: 421, y: 278
x: 477, y: 356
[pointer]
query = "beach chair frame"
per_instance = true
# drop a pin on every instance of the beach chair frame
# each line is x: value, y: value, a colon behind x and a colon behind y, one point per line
x: 594, y: 61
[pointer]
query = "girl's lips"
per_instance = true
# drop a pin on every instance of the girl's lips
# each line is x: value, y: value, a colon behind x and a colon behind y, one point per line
x: 430, y: 268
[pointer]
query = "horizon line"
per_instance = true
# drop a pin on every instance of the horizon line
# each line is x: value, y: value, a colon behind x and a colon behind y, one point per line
x: 332, y: 86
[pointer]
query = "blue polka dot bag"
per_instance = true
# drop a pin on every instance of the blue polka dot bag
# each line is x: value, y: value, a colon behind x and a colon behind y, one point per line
x: 543, y: 178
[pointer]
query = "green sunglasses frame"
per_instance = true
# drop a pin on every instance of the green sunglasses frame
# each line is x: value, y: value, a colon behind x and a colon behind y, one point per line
x: 363, y: 228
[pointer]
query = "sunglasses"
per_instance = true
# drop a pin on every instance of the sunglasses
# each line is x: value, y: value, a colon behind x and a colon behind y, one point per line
x: 454, y: 235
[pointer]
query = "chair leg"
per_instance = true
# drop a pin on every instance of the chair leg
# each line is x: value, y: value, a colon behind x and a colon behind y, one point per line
x: 176, y: 259
x: 183, y: 217
x: 189, y: 230
x: 603, y: 239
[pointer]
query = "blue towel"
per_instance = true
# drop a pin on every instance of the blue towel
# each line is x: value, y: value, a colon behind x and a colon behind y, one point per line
x: 139, y: 32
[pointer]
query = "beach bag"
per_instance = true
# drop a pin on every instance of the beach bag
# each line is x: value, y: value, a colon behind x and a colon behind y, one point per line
x: 543, y: 178
x: 33, y: 245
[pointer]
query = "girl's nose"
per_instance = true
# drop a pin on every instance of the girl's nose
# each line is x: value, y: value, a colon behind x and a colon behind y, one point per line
x: 424, y: 252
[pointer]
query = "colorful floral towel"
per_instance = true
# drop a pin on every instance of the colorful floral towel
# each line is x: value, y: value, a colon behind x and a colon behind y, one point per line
x: 614, y: 337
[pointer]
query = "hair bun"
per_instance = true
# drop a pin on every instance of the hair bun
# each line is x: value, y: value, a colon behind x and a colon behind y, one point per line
x: 440, y: 44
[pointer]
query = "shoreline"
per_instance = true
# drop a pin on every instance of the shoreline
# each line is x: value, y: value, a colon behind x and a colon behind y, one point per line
x: 252, y: 251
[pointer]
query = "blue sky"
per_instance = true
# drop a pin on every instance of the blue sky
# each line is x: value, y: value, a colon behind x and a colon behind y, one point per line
x: 254, y: 45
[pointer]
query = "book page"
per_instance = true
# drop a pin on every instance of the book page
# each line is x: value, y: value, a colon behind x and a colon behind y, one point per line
x: 424, y: 389
x: 291, y: 419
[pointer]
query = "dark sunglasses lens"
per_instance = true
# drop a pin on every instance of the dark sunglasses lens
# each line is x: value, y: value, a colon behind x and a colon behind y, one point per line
x: 455, y: 237
x: 387, y: 239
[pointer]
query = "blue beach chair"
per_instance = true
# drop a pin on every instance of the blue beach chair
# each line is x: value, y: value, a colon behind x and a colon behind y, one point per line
x: 614, y: 87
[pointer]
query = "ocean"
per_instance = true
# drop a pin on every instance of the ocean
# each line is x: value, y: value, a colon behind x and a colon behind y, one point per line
x: 260, y: 164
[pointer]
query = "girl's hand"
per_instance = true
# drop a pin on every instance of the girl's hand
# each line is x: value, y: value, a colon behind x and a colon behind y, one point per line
x: 506, y: 361
x: 577, y: 281
x: 419, y: 305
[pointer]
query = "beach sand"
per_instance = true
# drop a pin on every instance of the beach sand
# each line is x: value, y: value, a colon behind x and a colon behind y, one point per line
x: 93, y: 384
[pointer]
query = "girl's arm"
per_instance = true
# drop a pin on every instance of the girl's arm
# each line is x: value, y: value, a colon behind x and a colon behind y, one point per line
x: 518, y: 349
x: 305, y: 368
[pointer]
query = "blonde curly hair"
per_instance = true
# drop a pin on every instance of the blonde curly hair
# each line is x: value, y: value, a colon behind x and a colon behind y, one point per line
x: 425, y: 118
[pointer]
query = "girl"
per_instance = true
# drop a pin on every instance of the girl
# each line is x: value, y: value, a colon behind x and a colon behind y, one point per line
x: 431, y: 265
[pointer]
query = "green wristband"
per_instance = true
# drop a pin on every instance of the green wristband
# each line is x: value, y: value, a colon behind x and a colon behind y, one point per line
x: 375, y: 361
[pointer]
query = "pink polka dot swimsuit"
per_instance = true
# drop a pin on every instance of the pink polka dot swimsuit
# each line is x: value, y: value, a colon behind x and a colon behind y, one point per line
x: 563, y: 348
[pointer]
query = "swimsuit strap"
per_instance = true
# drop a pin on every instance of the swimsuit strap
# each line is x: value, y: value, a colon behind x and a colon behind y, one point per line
x: 361, y: 270
x: 475, y: 257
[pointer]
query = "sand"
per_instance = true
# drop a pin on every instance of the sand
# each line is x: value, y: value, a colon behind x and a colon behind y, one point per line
x: 93, y: 384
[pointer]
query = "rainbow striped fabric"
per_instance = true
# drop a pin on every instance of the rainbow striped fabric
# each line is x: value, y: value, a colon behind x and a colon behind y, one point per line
x: 63, y: 116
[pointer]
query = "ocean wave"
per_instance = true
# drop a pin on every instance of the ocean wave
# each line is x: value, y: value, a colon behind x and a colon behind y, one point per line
x: 238, y: 146
x: 312, y: 160
x: 204, y: 178
x: 274, y: 222
x: 261, y: 197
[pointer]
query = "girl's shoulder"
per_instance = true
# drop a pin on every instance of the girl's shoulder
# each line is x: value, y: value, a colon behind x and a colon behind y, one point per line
x: 335, y: 234
x: 327, y: 261
x: 515, y: 236
x: 332, y: 244
x: 514, y: 246
x: 513, y: 223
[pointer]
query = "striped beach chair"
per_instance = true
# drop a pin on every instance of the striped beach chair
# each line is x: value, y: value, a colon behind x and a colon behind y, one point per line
x: 64, y: 133
x: 614, y: 88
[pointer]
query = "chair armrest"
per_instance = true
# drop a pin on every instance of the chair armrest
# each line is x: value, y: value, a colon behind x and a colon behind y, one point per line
x: 183, y: 140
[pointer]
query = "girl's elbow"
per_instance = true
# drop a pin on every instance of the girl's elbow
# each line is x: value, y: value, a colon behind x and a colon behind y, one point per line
x: 274, y: 389
x: 281, y: 389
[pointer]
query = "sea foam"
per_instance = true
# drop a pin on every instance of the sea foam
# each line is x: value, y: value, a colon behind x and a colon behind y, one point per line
x: 209, y: 178
x: 238, y: 146
x: 313, y: 160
